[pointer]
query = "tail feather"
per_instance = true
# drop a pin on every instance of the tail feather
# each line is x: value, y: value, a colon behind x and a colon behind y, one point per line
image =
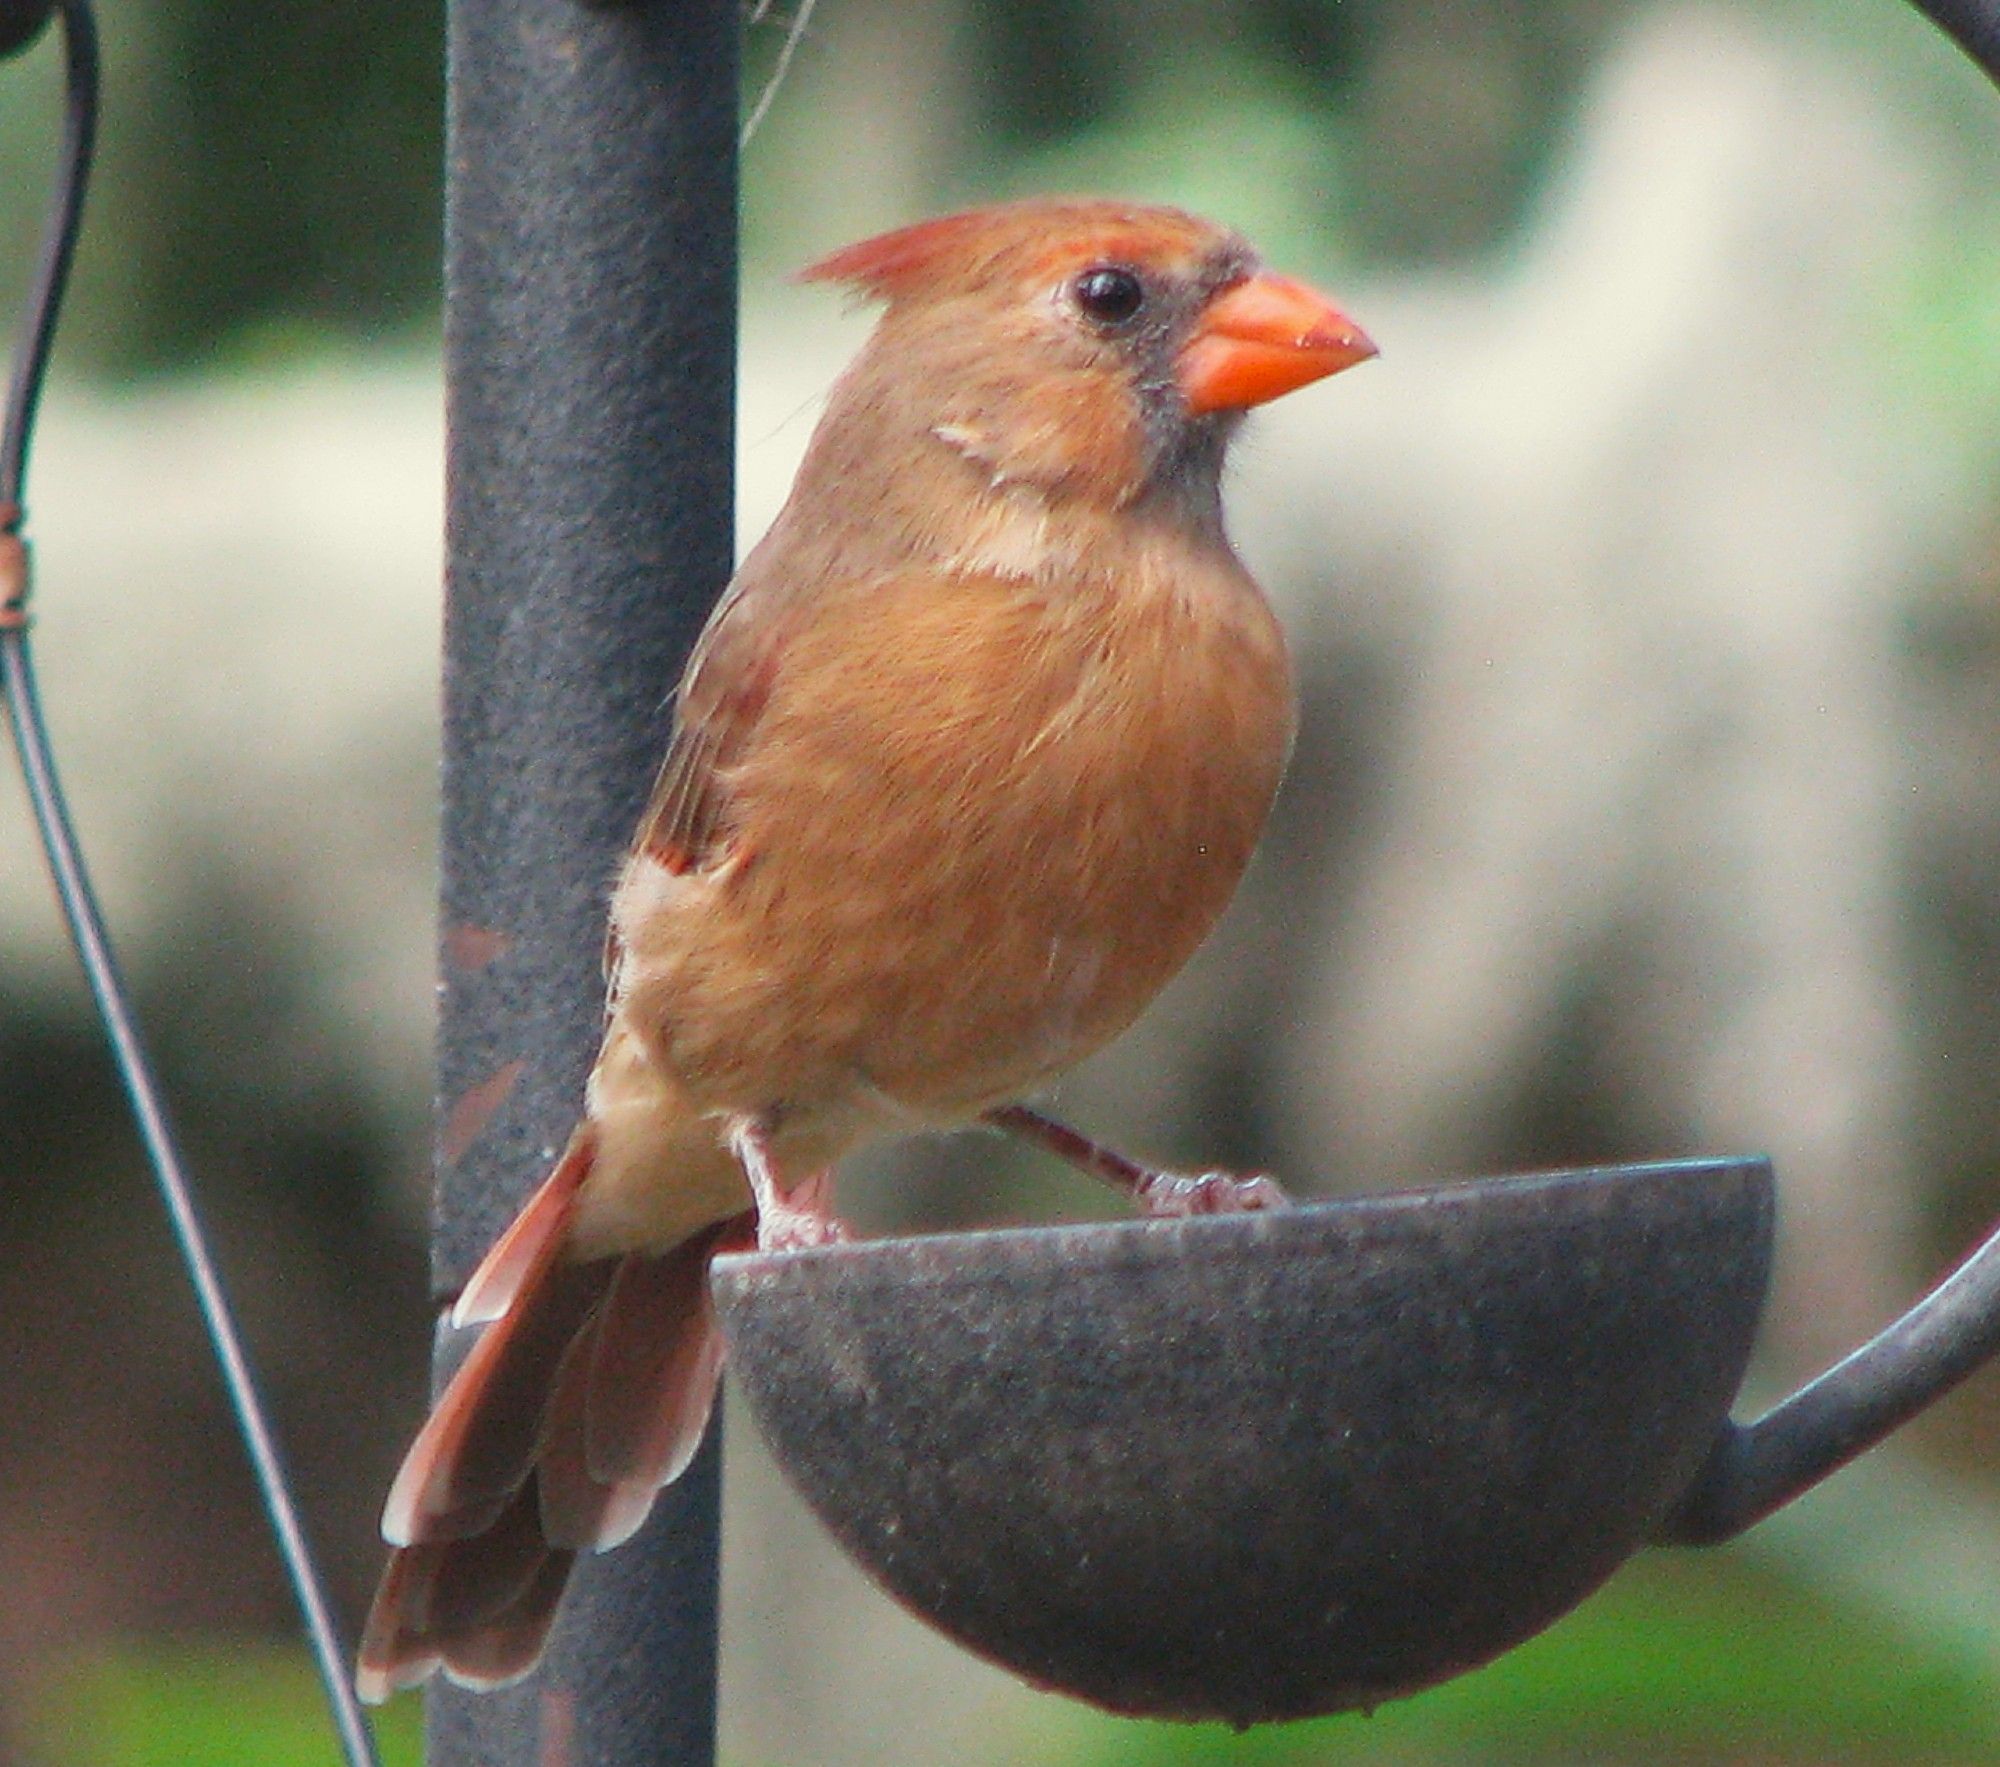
x: 396, y: 1646
x: 633, y: 1400
x: 658, y: 1338
x: 480, y: 1609
x: 480, y: 1579
x: 518, y: 1253
x: 573, y: 1504
x: 482, y: 1438
x: 589, y: 1390
x: 507, y: 1647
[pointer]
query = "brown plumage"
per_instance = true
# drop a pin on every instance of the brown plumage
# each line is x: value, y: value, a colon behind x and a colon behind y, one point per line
x: 967, y: 762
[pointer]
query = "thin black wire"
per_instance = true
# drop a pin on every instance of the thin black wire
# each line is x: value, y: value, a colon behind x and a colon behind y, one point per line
x: 86, y: 924
x: 65, y: 217
x: 1973, y: 24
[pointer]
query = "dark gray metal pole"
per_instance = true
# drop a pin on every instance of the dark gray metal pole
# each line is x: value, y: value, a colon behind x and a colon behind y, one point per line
x: 590, y: 300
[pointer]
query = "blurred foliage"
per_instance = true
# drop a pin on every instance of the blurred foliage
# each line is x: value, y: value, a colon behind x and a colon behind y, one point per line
x: 270, y: 175
x: 1442, y: 112
x: 263, y: 168
x: 271, y: 171
x: 1714, y: 1659
x: 295, y: 169
x: 242, y: 1704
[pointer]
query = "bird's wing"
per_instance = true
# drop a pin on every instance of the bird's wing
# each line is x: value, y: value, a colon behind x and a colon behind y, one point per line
x: 728, y: 679
x: 685, y: 826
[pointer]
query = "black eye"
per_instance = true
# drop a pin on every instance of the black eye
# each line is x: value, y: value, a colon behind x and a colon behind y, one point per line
x: 1109, y: 295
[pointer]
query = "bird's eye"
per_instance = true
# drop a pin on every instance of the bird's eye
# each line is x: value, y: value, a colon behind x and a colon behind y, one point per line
x: 1109, y: 295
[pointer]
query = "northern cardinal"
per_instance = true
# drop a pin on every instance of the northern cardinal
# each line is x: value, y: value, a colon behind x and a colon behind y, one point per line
x: 966, y: 763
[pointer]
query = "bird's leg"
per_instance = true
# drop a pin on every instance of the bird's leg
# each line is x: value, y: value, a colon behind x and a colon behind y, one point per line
x: 785, y: 1222
x: 1156, y: 1192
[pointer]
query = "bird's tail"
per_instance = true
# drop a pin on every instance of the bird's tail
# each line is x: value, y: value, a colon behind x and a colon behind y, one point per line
x: 589, y: 1390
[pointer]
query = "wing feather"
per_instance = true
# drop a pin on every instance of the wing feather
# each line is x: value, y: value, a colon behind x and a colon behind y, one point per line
x: 722, y: 694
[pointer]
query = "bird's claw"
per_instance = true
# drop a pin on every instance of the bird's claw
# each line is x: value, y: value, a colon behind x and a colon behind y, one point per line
x: 793, y: 1221
x: 1209, y: 1193
x: 797, y: 1233
x: 792, y: 1229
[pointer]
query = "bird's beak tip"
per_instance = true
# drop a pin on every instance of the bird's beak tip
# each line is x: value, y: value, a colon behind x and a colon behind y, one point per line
x: 1262, y: 338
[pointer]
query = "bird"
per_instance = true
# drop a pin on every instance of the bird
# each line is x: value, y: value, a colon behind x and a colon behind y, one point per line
x: 966, y: 762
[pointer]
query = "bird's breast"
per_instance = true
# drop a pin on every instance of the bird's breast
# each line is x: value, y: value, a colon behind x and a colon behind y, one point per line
x: 983, y: 821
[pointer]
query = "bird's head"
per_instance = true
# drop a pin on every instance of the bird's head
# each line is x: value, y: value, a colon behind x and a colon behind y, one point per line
x: 1091, y: 349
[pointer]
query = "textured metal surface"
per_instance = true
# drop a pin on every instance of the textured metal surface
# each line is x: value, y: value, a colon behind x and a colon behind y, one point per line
x: 1973, y: 24
x: 590, y: 350
x: 1757, y: 1468
x: 590, y: 356
x: 1270, y: 1465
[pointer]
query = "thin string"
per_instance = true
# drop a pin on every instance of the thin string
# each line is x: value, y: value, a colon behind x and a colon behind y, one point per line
x: 794, y: 36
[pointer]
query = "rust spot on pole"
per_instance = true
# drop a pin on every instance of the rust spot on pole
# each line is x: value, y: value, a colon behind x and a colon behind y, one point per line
x: 474, y: 1110
x: 13, y: 570
x: 558, y: 1728
x: 468, y: 947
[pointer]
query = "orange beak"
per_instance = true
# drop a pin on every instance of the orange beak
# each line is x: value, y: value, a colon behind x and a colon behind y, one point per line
x: 1262, y: 338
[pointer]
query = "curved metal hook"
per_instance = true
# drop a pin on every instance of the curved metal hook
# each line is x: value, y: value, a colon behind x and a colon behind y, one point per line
x: 65, y: 217
x: 1974, y: 25
x: 1759, y: 1467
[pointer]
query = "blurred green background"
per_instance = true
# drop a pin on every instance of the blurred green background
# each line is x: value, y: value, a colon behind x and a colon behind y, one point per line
x: 1648, y: 798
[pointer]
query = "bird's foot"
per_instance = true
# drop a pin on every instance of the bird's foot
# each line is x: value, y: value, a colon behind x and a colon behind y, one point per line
x: 787, y: 1221
x: 1156, y: 1192
x: 800, y: 1220
x: 797, y: 1230
x: 1208, y: 1193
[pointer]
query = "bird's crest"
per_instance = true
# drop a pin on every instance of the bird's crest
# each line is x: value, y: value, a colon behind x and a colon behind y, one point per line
x: 891, y: 263
x: 1037, y: 236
